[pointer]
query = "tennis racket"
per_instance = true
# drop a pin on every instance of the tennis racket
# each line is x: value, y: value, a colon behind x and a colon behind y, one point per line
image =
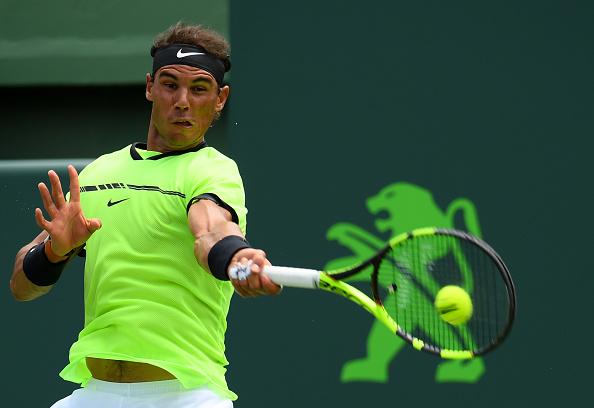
x: 407, y: 275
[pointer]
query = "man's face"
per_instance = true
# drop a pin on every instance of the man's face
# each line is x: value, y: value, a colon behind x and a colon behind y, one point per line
x: 185, y: 100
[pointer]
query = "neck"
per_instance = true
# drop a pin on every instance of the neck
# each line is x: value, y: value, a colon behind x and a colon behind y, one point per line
x: 157, y: 143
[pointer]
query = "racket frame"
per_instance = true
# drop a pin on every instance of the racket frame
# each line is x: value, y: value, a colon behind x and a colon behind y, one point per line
x: 332, y: 281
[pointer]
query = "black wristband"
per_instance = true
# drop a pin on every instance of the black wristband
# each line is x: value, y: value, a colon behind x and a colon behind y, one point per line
x: 222, y: 252
x: 39, y: 270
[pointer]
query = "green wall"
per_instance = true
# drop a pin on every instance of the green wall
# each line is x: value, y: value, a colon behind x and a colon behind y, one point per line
x: 89, y: 41
x: 488, y: 101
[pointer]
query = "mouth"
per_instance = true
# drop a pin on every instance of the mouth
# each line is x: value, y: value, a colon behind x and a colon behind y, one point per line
x: 183, y: 123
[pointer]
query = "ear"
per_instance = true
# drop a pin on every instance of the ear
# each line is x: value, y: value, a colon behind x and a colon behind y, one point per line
x: 223, y: 95
x: 149, y: 87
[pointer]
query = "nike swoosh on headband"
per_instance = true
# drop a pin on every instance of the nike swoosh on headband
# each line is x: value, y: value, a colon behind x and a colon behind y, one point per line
x: 181, y: 54
x: 194, y: 56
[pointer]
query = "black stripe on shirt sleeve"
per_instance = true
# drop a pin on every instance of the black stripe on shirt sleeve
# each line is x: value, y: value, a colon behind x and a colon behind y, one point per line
x: 215, y: 199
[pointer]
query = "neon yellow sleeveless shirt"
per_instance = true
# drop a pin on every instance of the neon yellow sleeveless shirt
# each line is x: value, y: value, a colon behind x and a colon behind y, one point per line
x: 146, y: 298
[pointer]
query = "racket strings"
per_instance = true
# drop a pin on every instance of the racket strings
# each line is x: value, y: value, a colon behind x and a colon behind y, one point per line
x: 411, y: 274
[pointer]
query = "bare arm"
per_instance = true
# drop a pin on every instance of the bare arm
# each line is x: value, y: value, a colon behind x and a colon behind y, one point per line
x: 22, y: 289
x: 68, y: 228
x: 209, y: 223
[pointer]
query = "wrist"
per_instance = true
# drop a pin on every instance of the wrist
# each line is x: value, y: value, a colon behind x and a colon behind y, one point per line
x: 51, y: 255
x: 39, y: 270
x: 221, y: 254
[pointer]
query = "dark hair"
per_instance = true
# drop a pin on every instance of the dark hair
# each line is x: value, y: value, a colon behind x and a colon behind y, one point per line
x: 182, y: 33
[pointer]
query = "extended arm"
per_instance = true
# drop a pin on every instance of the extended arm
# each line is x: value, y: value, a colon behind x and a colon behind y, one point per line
x: 21, y: 287
x: 68, y: 228
x: 209, y: 223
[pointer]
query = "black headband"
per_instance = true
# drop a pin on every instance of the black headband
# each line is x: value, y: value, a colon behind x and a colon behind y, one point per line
x: 192, y: 55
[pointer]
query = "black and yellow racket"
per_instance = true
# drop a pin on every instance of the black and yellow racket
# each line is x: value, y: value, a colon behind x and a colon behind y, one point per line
x: 444, y: 291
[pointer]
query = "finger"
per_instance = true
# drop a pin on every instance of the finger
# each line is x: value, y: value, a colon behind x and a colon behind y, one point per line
x: 250, y: 287
x: 255, y: 267
x: 247, y: 280
x: 48, y: 203
x: 74, y: 184
x: 259, y: 261
x: 40, y: 219
x: 253, y: 279
x: 57, y: 192
x: 94, y: 224
x: 241, y: 291
x: 266, y: 286
x: 269, y: 287
x: 240, y: 270
x: 243, y: 283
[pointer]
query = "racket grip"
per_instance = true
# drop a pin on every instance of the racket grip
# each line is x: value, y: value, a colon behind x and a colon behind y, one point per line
x: 293, y: 277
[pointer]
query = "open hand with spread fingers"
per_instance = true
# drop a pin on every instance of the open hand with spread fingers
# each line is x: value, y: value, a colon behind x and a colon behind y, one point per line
x: 68, y: 228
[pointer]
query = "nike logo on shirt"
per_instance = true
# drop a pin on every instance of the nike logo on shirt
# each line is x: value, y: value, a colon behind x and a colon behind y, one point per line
x: 181, y: 54
x: 110, y: 203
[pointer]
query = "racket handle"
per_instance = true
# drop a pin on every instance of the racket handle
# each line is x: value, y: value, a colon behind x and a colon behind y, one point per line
x: 293, y: 277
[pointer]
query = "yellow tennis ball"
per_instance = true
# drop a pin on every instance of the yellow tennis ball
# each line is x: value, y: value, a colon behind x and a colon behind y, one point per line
x: 453, y: 305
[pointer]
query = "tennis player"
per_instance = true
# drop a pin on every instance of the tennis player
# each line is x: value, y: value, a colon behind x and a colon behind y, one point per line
x: 160, y: 224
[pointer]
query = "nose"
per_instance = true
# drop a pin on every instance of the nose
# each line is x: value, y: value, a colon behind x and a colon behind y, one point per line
x: 182, y: 102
